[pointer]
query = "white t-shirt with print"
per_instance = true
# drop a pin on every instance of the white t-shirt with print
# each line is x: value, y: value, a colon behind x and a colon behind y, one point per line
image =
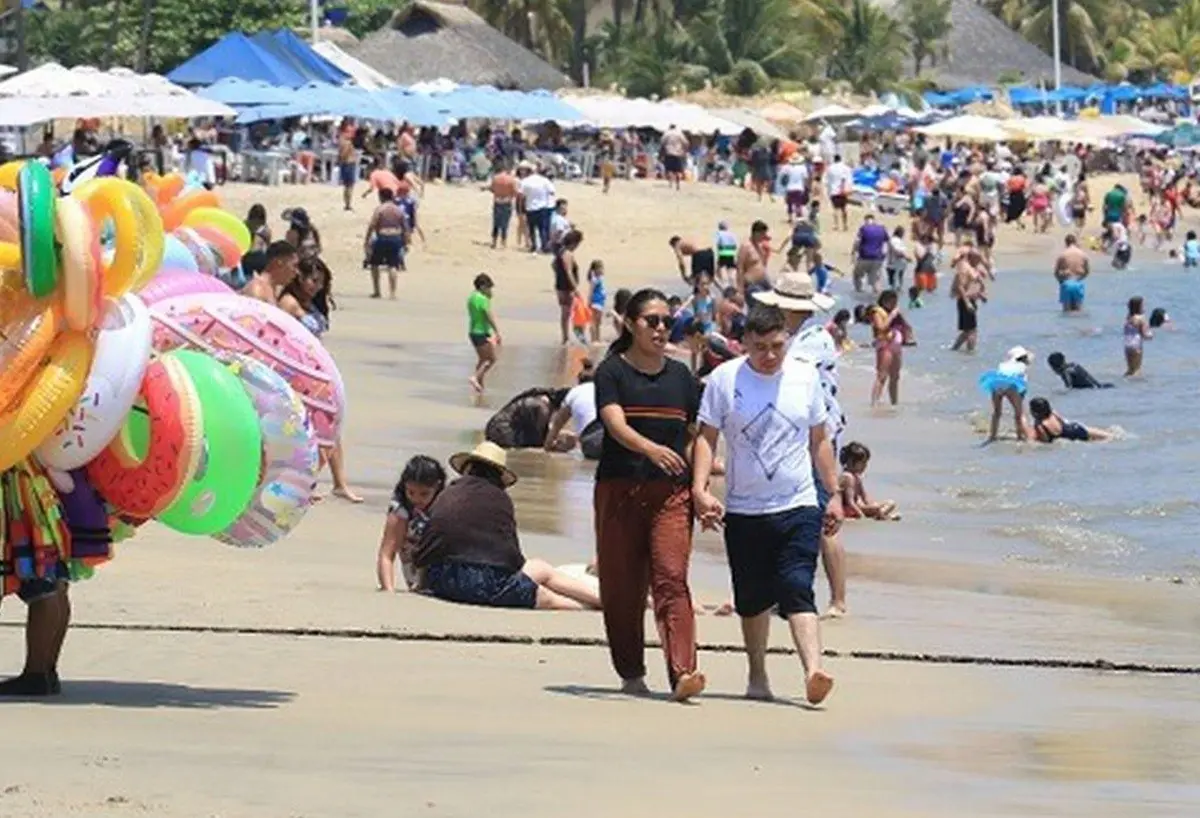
x: 813, y: 344
x: 765, y: 420
x: 581, y: 400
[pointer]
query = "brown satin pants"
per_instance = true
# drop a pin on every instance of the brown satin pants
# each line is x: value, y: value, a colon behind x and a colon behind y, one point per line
x: 644, y: 542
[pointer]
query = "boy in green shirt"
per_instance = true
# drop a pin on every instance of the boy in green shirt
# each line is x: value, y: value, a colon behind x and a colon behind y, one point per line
x: 482, y: 329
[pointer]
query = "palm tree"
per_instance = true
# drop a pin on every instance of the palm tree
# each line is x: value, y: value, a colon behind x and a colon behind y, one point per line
x: 1081, y: 46
x: 144, y: 33
x: 869, y: 48
x: 770, y: 34
x: 927, y: 24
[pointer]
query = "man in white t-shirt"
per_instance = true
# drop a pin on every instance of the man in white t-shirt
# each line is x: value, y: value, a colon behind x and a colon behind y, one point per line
x: 538, y: 192
x: 771, y: 410
x: 579, y: 409
x: 839, y: 183
x: 811, y: 342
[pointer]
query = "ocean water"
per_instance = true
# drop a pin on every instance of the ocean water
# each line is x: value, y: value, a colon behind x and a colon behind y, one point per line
x: 1129, y: 507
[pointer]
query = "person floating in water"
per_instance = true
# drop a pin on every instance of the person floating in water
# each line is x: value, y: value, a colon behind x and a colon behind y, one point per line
x: 1049, y: 426
x: 1074, y: 375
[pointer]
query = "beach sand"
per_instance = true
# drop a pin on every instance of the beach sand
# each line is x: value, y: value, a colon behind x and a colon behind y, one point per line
x: 204, y: 681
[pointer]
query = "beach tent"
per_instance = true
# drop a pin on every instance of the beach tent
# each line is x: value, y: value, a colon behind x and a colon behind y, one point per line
x: 1183, y: 136
x: 834, y: 112
x: 749, y: 118
x: 782, y: 112
x: 1038, y: 128
x: 968, y: 127
x: 360, y: 73
x: 236, y: 55
x: 234, y: 91
x: 292, y: 51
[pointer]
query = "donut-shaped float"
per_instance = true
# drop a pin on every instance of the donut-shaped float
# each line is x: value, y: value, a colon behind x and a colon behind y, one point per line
x: 175, y: 211
x: 266, y: 333
x: 122, y: 355
x: 224, y: 484
x: 174, y: 283
x: 228, y: 234
x: 106, y: 203
x: 146, y: 467
x: 22, y: 352
x: 47, y: 399
x: 81, y: 283
x: 290, y: 462
x: 202, y: 253
x: 177, y: 256
x: 35, y: 204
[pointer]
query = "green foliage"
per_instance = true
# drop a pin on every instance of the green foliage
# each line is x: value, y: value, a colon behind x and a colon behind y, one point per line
x: 747, y: 79
x: 869, y: 49
x: 365, y: 16
x: 927, y: 26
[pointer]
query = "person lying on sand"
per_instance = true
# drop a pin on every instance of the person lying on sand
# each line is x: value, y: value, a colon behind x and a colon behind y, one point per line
x: 1049, y: 426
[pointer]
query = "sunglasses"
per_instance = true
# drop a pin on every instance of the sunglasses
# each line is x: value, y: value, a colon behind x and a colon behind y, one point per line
x: 656, y: 321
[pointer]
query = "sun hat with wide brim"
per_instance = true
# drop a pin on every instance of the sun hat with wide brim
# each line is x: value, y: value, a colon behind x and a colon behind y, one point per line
x: 489, y: 454
x: 795, y: 291
x: 1017, y: 353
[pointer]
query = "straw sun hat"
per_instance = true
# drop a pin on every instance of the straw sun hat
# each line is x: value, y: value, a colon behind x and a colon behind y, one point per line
x: 489, y: 454
x: 795, y: 291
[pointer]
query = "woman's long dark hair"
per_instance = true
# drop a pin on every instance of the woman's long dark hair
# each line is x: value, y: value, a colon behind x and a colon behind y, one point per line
x: 633, y: 311
x: 422, y: 470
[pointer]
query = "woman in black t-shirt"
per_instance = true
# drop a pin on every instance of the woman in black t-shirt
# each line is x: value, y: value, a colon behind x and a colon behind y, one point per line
x: 643, y: 501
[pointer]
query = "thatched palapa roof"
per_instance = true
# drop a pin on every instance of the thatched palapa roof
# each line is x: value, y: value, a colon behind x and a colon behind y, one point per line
x: 430, y: 40
x: 982, y: 48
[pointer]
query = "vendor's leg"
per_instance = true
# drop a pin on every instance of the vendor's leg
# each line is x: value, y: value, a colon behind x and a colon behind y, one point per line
x: 337, y: 468
x: 583, y: 594
x: 375, y: 291
x: 46, y: 626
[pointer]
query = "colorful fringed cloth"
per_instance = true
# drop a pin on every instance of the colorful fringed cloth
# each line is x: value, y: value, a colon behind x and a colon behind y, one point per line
x: 34, y: 538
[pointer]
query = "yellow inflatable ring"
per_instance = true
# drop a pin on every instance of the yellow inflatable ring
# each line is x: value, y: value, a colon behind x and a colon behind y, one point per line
x: 10, y: 256
x: 53, y: 392
x: 8, y: 174
x: 81, y: 296
x: 16, y: 304
x: 223, y: 221
x: 22, y: 352
x: 102, y: 203
x: 153, y: 238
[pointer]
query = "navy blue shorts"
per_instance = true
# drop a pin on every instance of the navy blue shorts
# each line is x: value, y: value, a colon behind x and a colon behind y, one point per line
x: 348, y: 173
x: 474, y: 584
x: 388, y: 251
x: 773, y: 560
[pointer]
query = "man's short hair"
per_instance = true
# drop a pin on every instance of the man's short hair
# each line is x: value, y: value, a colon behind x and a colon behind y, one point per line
x: 279, y: 249
x: 764, y: 319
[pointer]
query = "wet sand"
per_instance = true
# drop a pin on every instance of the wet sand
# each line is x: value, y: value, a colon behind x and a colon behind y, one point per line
x: 348, y: 722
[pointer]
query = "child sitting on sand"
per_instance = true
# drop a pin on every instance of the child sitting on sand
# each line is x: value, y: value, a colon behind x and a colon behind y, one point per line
x: 855, y: 502
x: 420, y: 483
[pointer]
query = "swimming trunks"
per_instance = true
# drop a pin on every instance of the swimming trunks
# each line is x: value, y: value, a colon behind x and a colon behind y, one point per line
x: 703, y: 261
x: 1070, y: 293
x: 968, y: 317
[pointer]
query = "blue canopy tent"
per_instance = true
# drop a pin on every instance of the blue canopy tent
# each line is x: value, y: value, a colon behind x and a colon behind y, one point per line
x: 1161, y: 90
x: 416, y: 109
x: 291, y: 50
x: 239, y: 92
x: 891, y: 121
x: 236, y: 55
x: 324, y: 99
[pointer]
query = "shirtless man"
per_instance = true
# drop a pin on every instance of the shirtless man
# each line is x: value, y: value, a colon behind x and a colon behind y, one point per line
x: 347, y: 165
x: 386, y: 240
x: 968, y: 290
x: 1070, y: 269
x: 283, y: 263
x: 703, y: 259
x: 752, y: 262
x: 504, y: 195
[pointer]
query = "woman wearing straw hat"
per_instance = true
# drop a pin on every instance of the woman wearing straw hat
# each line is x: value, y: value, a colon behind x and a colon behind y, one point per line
x: 471, y: 552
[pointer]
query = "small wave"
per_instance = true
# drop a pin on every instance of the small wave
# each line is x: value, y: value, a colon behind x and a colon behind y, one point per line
x: 1169, y: 508
x: 1062, y: 538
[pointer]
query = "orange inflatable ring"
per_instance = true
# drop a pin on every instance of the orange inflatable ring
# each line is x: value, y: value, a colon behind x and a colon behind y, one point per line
x: 22, y: 353
x: 174, y: 213
x: 145, y: 488
x: 49, y: 398
x: 166, y: 188
x: 81, y: 284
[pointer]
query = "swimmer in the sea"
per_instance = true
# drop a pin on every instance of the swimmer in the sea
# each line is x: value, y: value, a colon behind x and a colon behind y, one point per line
x: 1159, y: 319
x: 1136, y: 332
x: 1074, y: 375
x: 1049, y: 426
x: 1070, y: 269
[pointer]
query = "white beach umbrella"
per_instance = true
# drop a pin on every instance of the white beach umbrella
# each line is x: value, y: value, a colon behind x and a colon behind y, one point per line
x: 969, y: 127
x: 834, y: 111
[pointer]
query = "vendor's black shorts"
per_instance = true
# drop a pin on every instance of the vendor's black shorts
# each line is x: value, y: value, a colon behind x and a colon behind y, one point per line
x: 773, y: 560
x: 388, y: 251
x: 673, y: 164
x: 703, y: 261
x: 968, y: 318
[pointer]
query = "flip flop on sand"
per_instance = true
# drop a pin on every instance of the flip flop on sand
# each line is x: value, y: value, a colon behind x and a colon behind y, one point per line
x: 818, y: 686
x: 688, y: 686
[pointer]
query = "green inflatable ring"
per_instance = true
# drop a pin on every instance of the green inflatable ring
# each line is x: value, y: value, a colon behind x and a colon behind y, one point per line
x: 35, y: 205
x: 227, y: 478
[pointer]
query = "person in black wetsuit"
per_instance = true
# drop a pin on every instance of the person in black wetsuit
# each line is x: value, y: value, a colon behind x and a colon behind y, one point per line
x: 1074, y: 376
